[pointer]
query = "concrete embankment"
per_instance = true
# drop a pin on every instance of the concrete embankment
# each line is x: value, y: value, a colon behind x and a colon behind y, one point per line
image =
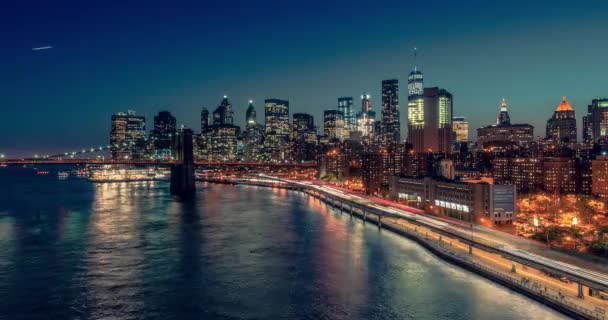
x: 446, y: 251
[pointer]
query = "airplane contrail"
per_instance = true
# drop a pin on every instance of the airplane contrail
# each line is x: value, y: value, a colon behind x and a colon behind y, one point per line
x: 42, y: 48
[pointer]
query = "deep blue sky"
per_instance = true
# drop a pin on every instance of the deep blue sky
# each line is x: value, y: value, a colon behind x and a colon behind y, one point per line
x: 111, y: 56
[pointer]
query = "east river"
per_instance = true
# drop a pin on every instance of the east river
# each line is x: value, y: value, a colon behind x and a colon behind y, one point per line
x: 78, y: 250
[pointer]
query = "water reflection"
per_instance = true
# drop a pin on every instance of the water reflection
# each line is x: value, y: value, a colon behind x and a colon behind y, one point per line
x: 129, y: 250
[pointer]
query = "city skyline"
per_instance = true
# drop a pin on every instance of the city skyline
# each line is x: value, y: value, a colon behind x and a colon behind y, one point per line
x: 87, y: 81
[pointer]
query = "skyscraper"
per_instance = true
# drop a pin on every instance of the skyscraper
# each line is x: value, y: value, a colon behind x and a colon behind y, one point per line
x: 438, y: 105
x: 276, y: 129
x: 503, y: 116
x: 164, y: 130
x: 461, y: 129
x: 562, y: 126
x: 204, y: 119
x: 345, y: 104
x: 304, y: 137
x: 595, y: 123
x: 391, y: 131
x: 128, y: 135
x: 333, y: 124
x: 250, y: 115
x: 223, y: 114
x: 252, y: 136
x: 367, y: 117
x: 415, y: 109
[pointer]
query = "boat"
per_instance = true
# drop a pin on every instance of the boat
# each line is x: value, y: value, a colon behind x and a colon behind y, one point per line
x: 63, y: 175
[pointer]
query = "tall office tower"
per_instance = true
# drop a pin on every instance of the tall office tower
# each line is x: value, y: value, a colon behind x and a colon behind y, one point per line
x: 461, y: 129
x: 391, y: 131
x: 415, y: 108
x: 223, y: 142
x: 223, y: 114
x: 276, y: 130
x: 204, y: 119
x: 438, y: 105
x: 128, y: 135
x: 595, y: 123
x: 333, y: 124
x: 250, y: 115
x: 367, y: 117
x: 345, y: 104
x: 429, y: 117
x: 164, y: 129
x: 252, y: 136
x: 303, y: 137
x: 562, y: 126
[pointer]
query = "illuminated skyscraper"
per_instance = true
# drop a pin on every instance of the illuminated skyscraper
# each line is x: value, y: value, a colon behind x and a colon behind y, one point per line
x: 223, y: 114
x: 438, y: 120
x: 250, y: 115
x: 333, y: 124
x: 595, y: 123
x: 276, y: 129
x: 304, y: 137
x: 367, y: 117
x: 252, y: 136
x: 128, y: 135
x: 562, y: 126
x: 415, y: 109
x: 345, y: 104
x: 164, y: 130
x: 461, y: 129
x: 391, y: 128
x: 503, y: 116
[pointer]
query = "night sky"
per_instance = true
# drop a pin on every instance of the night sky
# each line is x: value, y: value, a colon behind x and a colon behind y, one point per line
x: 110, y: 56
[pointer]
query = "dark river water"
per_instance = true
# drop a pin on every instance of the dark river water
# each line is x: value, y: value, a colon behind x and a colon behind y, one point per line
x: 78, y: 250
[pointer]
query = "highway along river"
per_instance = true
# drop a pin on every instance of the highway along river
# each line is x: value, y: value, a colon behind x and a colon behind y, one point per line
x: 77, y: 250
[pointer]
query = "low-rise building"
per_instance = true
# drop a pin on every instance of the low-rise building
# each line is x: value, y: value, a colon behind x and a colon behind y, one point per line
x: 465, y: 200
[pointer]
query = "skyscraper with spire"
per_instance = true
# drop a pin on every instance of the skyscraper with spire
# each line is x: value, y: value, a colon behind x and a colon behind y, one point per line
x: 252, y: 136
x: 366, y: 118
x: 415, y: 107
x: 503, y: 116
x: 429, y: 115
x: 504, y: 135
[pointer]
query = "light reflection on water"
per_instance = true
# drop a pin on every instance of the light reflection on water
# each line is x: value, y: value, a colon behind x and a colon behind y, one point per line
x: 71, y: 249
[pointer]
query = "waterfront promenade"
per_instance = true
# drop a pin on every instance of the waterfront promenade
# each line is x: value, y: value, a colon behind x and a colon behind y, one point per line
x: 556, y: 292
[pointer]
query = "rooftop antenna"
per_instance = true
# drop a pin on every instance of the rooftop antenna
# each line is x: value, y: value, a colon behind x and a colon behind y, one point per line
x: 415, y: 54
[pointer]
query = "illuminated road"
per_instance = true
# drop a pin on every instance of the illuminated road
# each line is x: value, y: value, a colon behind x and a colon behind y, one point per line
x: 485, y: 240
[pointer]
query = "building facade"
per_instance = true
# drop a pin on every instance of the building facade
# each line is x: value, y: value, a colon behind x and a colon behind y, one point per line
x: 276, y: 130
x: 128, y: 136
x: 595, y: 123
x: 504, y: 133
x: 599, y: 184
x: 467, y: 201
x: 165, y: 128
x: 391, y: 125
x: 561, y: 128
x: 333, y: 125
x: 460, y: 127
x: 345, y: 104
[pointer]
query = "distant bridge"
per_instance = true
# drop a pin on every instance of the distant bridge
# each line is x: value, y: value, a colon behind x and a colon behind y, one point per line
x: 10, y: 162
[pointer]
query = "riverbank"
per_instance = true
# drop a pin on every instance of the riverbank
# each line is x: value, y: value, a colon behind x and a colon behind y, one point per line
x: 450, y: 251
